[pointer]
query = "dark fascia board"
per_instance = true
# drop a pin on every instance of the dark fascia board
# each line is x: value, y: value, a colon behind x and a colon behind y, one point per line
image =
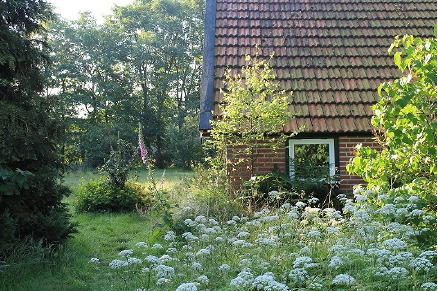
x: 207, y: 80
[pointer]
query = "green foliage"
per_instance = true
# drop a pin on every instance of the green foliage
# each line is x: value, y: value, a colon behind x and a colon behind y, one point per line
x: 141, y: 65
x: 253, y: 111
x: 30, y: 133
x: 97, y: 195
x: 120, y: 163
x: 406, y: 119
x: 184, y: 145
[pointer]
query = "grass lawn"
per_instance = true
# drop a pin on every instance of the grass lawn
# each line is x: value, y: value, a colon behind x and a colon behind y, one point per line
x: 100, y: 236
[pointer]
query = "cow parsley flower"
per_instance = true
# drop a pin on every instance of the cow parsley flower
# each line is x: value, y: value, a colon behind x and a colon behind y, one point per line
x: 126, y: 253
x: 314, y: 233
x: 187, y: 287
x: 164, y: 271
x: 157, y: 246
x: 203, y: 279
x: 116, y: 264
x: 201, y: 219
x: 297, y: 276
x: 141, y: 244
x: 169, y: 236
x: 300, y: 204
x: 134, y: 261
x: 429, y: 286
x: 202, y: 252
x: 395, y: 244
x: 94, y: 260
x: 243, y: 234
x: 266, y: 241
x: 421, y: 264
x: 302, y: 262
x: 336, y: 262
x: 244, y: 262
x: 267, y: 282
x: 397, y: 273
x: 243, y: 280
x: 153, y: 260
x: 242, y: 243
x: 196, y: 266
x: 224, y: 268
x: 343, y: 279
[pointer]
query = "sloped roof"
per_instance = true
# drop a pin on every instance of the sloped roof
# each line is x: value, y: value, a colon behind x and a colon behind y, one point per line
x: 331, y: 53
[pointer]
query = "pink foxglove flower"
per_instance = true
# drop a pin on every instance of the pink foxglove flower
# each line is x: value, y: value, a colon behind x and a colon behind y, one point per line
x: 143, y: 151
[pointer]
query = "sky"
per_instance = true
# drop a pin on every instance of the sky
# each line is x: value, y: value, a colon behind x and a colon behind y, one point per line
x: 69, y: 9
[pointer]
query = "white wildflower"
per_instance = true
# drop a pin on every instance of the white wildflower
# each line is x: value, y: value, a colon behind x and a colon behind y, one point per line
x: 231, y: 222
x: 126, y: 253
x: 301, y: 262
x: 336, y: 262
x: 224, y: 268
x: 298, y: 275
x: 285, y: 206
x: 189, y: 236
x: 395, y: 244
x: 134, y: 261
x: 187, y: 287
x: 164, y: 271
x: 388, y: 209
x: 189, y: 222
x: 169, y: 236
x: 94, y: 260
x: 196, y: 266
x: 267, y: 282
x: 417, y: 212
x: 201, y: 219
x: 333, y: 229
x: 266, y: 241
x: 212, y: 221
x: 203, y: 279
x: 202, y: 252
x: 157, y: 246
x: 429, y: 286
x: 219, y: 239
x: 397, y: 273
x: 414, y: 199
x: 243, y: 234
x: 300, y: 204
x: 421, y: 264
x: 428, y: 254
x: 343, y: 279
x: 141, y: 244
x: 242, y: 243
x: 243, y: 280
x: 261, y: 213
x: 153, y: 260
x: 244, y: 262
x: 305, y: 250
x: 166, y: 258
x: 115, y: 264
x: 314, y: 233
x: 313, y: 200
x: 171, y: 250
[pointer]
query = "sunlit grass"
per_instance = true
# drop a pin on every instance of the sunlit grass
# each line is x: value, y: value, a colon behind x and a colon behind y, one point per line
x: 100, y: 235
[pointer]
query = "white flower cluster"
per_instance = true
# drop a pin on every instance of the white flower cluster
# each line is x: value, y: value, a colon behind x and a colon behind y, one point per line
x: 343, y: 279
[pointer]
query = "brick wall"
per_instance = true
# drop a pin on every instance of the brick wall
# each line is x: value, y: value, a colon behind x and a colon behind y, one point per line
x: 347, y: 146
x: 265, y: 159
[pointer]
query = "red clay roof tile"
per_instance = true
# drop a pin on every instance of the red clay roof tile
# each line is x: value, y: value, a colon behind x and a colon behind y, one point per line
x: 332, y: 54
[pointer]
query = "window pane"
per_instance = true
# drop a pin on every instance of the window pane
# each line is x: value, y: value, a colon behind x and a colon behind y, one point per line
x: 311, y: 161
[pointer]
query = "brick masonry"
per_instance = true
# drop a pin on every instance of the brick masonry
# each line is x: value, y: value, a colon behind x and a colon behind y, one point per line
x: 265, y: 159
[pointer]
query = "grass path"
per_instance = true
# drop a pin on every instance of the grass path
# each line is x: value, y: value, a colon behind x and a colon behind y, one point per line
x: 100, y: 236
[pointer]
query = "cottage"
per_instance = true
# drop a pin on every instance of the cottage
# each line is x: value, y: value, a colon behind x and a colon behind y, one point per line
x: 331, y: 53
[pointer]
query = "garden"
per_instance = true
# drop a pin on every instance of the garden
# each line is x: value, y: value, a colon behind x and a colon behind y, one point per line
x: 136, y: 221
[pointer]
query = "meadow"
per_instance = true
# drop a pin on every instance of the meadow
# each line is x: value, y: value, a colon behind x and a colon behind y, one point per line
x: 370, y: 245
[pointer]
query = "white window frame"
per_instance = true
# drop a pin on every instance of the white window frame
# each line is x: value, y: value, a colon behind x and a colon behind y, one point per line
x: 329, y: 141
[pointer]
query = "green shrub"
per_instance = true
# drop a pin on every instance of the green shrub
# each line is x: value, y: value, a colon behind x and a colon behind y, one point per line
x: 97, y: 195
x: 275, y: 188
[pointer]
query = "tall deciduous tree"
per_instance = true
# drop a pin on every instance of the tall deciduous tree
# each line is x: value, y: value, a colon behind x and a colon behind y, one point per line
x: 30, y: 167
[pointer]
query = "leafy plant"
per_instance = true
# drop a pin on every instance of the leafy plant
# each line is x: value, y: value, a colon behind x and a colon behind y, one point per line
x: 406, y: 120
x: 254, y: 109
x: 121, y: 162
x: 97, y: 195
